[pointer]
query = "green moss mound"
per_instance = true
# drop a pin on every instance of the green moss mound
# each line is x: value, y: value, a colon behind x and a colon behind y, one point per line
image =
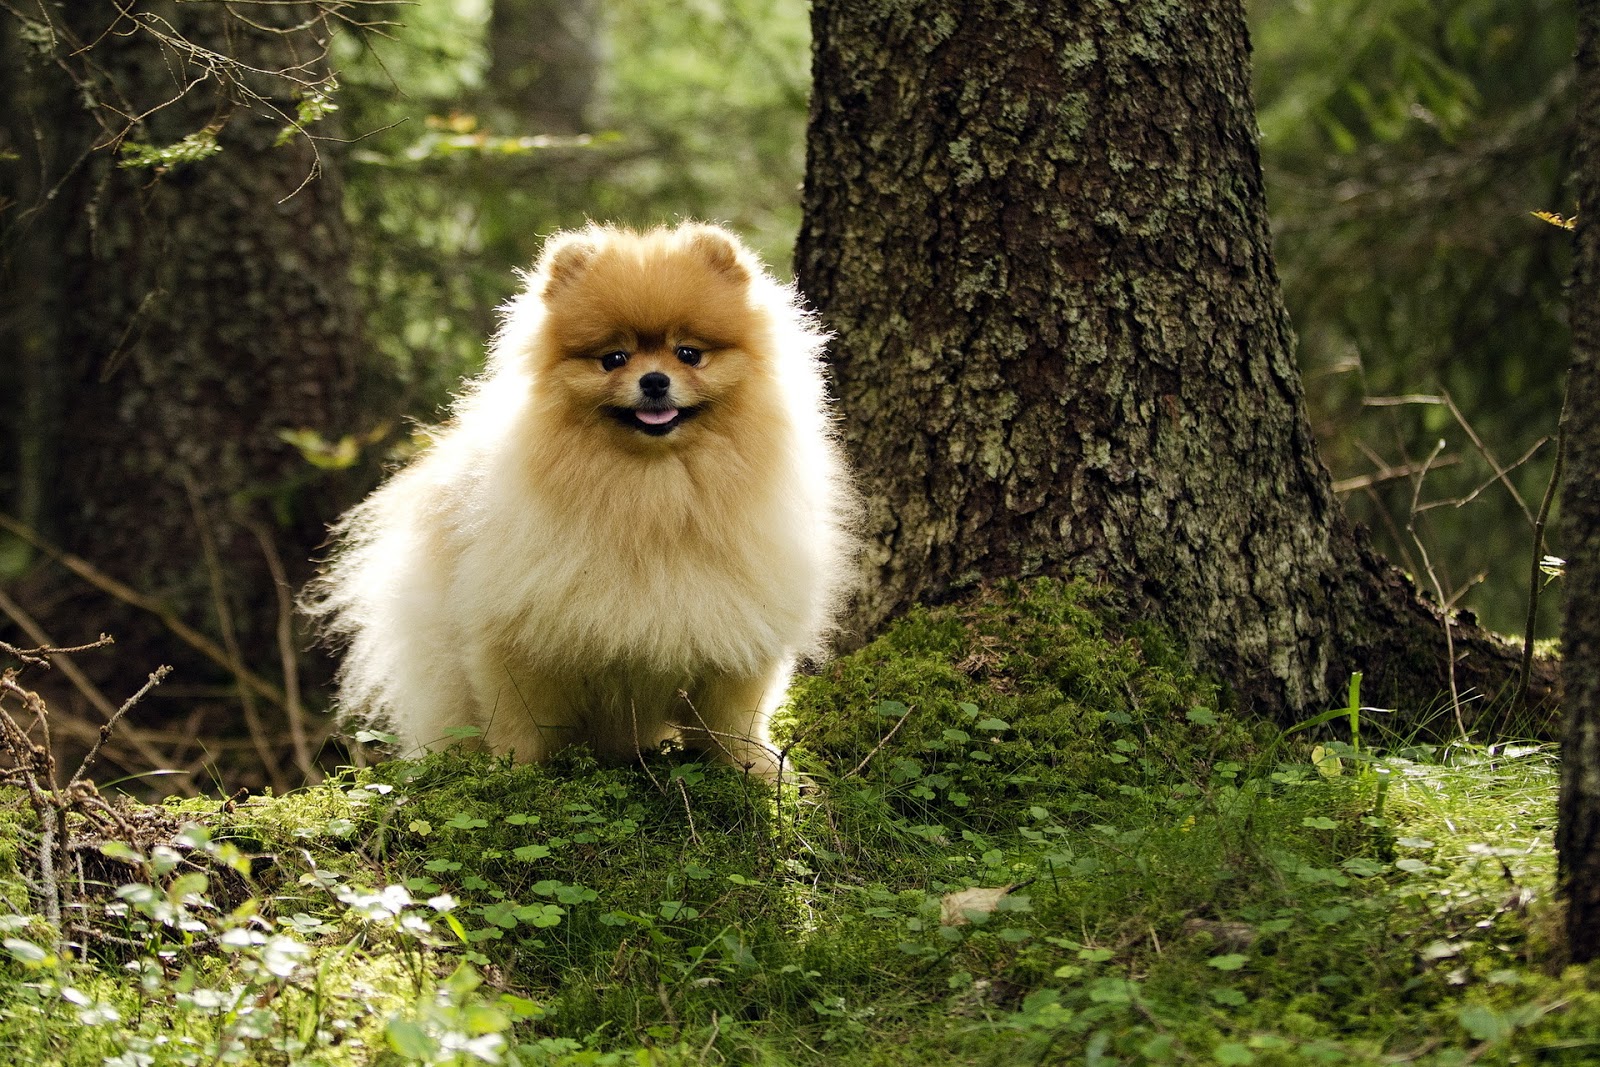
x: 1024, y: 696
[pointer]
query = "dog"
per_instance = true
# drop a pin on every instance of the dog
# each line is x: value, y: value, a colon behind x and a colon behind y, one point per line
x: 634, y: 525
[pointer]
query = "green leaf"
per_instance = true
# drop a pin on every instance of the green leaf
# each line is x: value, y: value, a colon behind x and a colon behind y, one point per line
x: 688, y: 773
x: 1484, y: 1023
x: 195, y: 836
x: 1362, y: 866
x: 409, y: 1039
x: 1332, y: 915
x: 541, y: 916
x: 192, y: 884
x: 1114, y: 991
x: 1319, y: 822
x: 25, y: 951
x: 118, y: 851
x: 1230, y: 962
x: 576, y: 894
x: 521, y: 1007
x: 483, y: 1019
x: 1233, y: 1054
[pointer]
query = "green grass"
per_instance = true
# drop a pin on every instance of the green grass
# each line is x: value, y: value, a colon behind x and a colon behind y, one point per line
x: 1167, y: 886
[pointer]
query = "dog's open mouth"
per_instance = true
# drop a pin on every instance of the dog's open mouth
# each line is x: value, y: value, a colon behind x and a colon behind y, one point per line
x: 657, y: 422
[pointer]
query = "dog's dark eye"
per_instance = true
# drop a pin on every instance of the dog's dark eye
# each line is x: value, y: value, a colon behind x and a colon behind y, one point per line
x: 613, y: 360
x: 690, y: 356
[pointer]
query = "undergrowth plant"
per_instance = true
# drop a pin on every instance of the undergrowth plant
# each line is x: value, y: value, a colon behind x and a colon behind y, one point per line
x: 1017, y: 834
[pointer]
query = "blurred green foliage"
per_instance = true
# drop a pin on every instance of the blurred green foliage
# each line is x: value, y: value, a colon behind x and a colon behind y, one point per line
x: 1406, y: 143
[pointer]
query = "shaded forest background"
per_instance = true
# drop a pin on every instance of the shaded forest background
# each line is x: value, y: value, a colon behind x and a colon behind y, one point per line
x: 1406, y: 146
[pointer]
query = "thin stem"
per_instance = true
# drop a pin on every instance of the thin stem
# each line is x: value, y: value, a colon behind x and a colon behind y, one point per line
x: 105, y: 731
x: 1535, y: 586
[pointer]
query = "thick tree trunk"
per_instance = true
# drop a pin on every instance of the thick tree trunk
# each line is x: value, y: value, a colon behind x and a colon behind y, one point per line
x: 200, y: 309
x: 1578, y: 829
x: 544, y: 61
x: 32, y: 108
x: 220, y: 312
x: 1040, y: 234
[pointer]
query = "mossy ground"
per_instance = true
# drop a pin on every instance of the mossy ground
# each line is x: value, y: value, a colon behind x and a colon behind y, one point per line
x: 1165, y: 885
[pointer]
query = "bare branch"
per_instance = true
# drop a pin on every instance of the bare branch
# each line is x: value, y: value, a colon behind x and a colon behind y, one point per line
x: 154, y: 680
x: 1483, y: 450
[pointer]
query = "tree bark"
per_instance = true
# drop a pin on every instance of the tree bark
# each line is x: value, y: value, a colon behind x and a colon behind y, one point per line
x: 544, y: 62
x: 1578, y: 824
x: 1040, y: 234
x: 194, y: 310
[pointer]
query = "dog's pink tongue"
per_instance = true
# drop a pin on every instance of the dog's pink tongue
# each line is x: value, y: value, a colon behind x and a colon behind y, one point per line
x: 656, y: 418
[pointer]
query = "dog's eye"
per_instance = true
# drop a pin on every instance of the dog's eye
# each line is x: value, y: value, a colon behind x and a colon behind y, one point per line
x: 613, y: 360
x: 688, y: 355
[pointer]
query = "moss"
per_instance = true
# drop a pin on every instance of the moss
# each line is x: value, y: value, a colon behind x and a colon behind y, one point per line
x: 16, y: 818
x: 1019, y: 697
x: 1166, y: 882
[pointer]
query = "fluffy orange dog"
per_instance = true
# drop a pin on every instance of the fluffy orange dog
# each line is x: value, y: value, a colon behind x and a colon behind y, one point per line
x: 634, y: 525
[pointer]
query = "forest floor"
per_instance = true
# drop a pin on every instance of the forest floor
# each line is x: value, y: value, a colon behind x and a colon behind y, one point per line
x: 1024, y: 836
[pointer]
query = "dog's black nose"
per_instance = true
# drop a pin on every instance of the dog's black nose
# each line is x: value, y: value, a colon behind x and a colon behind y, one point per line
x: 655, y: 385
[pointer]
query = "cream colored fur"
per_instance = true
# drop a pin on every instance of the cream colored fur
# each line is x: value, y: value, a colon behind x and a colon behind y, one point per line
x: 552, y: 577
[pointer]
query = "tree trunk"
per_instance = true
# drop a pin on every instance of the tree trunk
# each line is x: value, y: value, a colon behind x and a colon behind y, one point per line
x: 1578, y: 825
x: 201, y: 308
x: 1040, y: 234
x: 544, y: 61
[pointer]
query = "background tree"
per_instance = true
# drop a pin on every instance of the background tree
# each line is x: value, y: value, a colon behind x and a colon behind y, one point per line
x: 544, y: 62
x: 1042, y: 240
x: 182, y: 238
x: 1578, y: 832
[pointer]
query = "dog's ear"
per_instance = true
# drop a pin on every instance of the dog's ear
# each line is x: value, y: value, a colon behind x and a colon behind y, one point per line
x: 719, y: 248
x: 566, y: 256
